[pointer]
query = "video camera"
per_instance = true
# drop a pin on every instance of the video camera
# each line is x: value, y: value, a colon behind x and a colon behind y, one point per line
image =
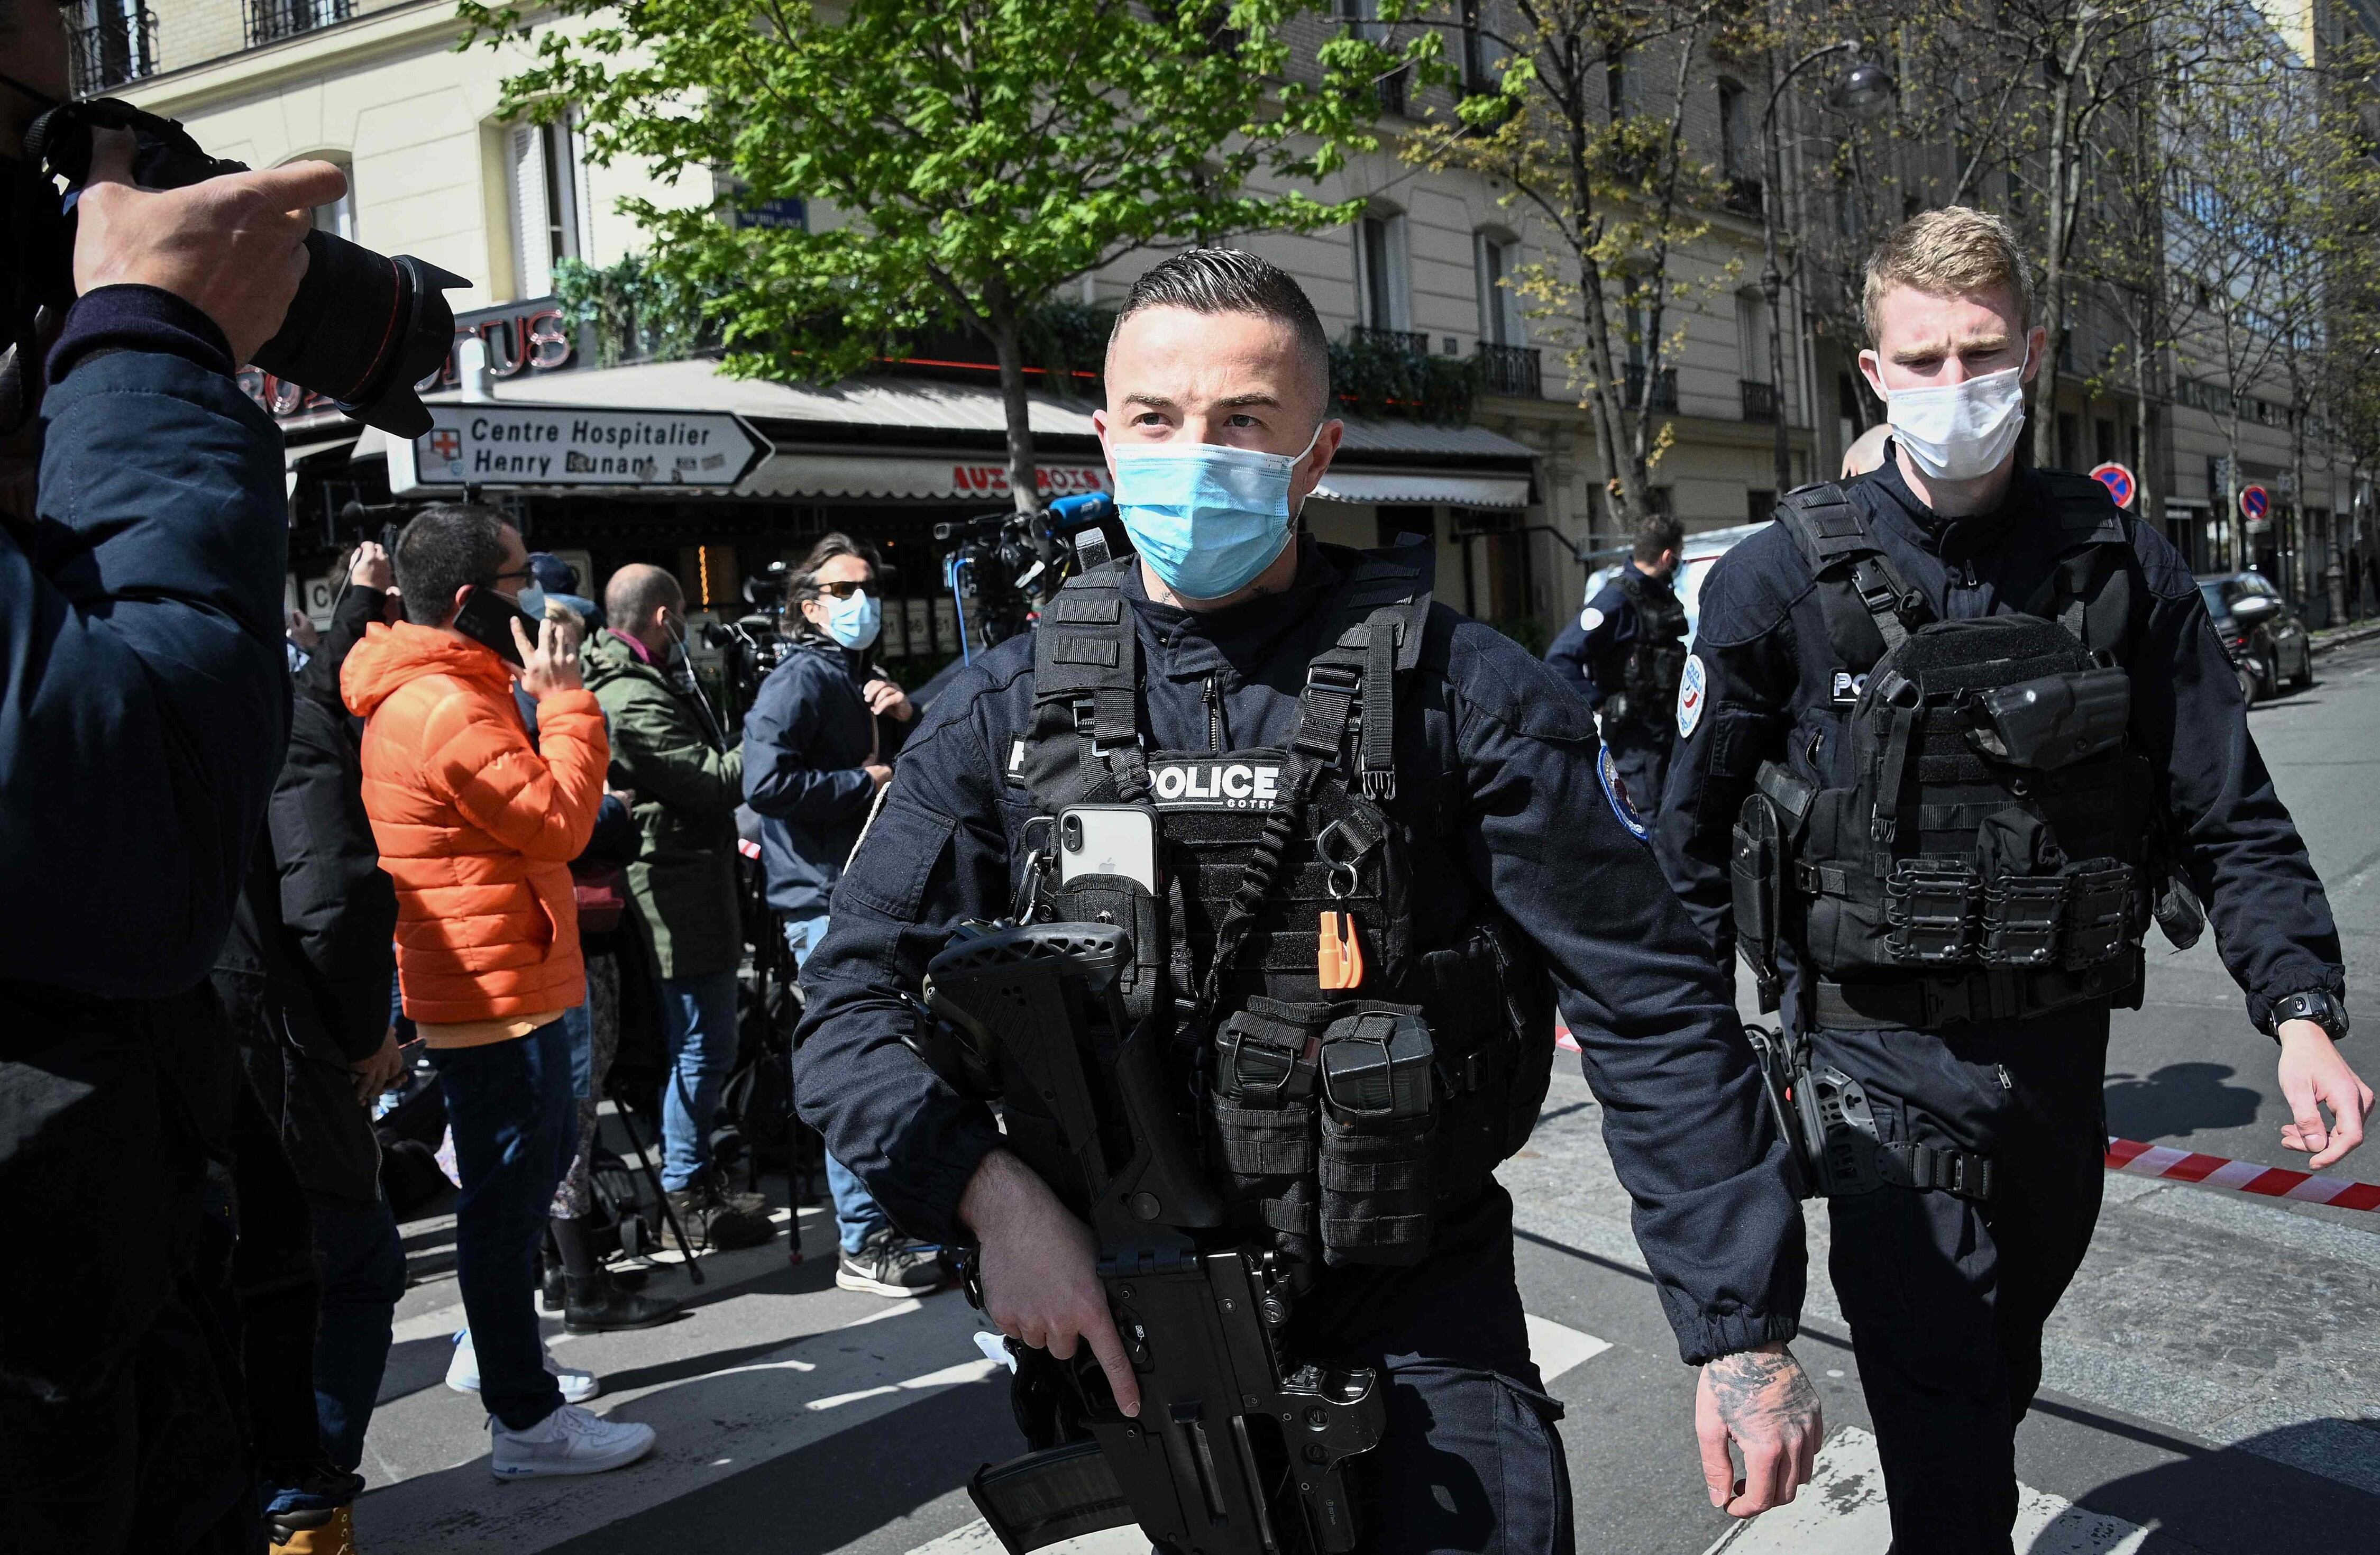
x: 1006, y: 566
x: 753, y: 645
x: 363, y: 328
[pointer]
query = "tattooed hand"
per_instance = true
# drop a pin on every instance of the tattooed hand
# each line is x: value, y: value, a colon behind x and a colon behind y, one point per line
x: 1762, y: 1402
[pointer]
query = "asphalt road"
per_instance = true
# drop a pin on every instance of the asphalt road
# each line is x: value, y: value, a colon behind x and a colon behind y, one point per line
x: 2213, y: 1378
x: 2187, y: 1069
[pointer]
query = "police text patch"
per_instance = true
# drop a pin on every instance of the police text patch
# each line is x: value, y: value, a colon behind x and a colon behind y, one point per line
x: 1692, y: 691
x: 1214, y: 785
x: 1846, y: 687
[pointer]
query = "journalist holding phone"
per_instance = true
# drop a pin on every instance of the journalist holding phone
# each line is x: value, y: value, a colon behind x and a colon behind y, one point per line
x: 478, y: 827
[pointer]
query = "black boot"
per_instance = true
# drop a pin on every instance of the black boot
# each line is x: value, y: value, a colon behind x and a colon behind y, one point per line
x: 593, y: 1305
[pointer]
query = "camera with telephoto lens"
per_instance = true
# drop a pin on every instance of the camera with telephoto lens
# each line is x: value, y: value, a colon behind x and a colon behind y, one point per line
x: 363, y: 329
x: 753, y: 645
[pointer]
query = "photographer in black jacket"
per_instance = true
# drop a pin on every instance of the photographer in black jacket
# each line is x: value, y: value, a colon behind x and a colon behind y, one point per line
x: 304, y: 979
x: 143, y: 706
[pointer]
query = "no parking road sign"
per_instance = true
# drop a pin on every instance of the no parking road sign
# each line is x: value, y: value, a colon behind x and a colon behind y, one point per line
x: 2255, y: 503
x: 2118, y: 481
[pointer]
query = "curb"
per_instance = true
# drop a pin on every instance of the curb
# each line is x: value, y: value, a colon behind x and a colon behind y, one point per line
x: 2344, y: 638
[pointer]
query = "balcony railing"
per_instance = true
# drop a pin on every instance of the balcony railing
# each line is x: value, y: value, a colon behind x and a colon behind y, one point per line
x: 1665, y: 387
x: 122, y: 48
x: 1759, y: 402
x: 269, y: 21
x: 1412, y: 342
x: 1742, y: 196
x: 1511, y: 370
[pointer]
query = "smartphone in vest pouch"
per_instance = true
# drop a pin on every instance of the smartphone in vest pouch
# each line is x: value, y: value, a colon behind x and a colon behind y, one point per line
x: 1107, y: 840
x: 487, y: 619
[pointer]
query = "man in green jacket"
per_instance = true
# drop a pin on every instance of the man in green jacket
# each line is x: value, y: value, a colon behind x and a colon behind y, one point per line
x: 666, y: 748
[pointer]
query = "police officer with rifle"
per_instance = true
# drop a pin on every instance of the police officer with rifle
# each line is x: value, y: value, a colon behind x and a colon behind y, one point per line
x: 1964, y: 731
x: 1239, y: 881
x: 1626, y: 651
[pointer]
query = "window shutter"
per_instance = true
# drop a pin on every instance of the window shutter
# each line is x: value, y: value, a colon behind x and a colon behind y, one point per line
x: 532, y: 245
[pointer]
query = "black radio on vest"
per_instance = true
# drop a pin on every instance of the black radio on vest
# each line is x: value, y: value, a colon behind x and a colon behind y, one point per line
x: 1979, y: 842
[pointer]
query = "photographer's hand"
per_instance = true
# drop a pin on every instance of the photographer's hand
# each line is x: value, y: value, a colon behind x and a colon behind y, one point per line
x: 371, y: 569
x: 548, y: 665
x: 233, y: 248
x: 1040, y: 1284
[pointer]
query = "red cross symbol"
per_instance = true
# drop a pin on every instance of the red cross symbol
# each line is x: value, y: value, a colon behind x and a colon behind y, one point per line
x: 446, y: 442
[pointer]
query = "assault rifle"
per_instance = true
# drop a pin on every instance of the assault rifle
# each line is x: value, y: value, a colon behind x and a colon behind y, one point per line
x: 1233, y: 1451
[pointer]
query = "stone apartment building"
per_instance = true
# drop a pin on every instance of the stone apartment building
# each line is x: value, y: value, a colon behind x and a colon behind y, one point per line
x: 379, y: 86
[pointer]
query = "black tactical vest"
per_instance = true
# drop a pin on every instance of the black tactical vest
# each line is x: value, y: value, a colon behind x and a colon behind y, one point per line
x: 1338, y: 1119
x: 1987, y: 856
x: 1650, y: 667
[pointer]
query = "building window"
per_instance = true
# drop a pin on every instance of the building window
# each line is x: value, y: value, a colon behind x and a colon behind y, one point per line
x: 549, y: 202
x: 1366, y: 17
x: 1476, y: 76
x: 338, y: 218
x: 269, y: 21
x: 2069, y: 440
x: 1496, y: 255
x: 1736, y: 151
x: 112, y: 41
x: 1752, y: 340
x: 1383, y: 299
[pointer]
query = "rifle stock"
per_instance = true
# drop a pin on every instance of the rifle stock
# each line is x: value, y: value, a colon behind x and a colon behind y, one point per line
x: 1232, y: 1453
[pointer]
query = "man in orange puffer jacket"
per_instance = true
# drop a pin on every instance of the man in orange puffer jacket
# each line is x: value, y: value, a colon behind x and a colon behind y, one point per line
x: 478, y: 827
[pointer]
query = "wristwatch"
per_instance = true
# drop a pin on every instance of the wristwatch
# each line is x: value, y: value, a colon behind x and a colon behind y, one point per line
x: 2322, y: 1009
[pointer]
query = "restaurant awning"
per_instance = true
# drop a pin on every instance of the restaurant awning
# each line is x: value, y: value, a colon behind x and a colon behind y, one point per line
x: 903, y: 439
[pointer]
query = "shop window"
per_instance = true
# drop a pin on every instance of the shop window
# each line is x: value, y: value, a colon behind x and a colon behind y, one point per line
x: 2069, y: 440
x: 549, y: 202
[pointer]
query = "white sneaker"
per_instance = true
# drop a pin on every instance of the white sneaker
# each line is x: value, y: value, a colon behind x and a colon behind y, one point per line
x: 569, y: 1441
x: 463, y: 1372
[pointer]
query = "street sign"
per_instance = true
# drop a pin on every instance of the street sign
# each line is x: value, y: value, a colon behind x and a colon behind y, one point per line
x: 2118, y: 481
x: 515, y: 447
x: 2255, y: 503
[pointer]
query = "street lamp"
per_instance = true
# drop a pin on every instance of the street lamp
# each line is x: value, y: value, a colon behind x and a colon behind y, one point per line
x: 1865, y: 91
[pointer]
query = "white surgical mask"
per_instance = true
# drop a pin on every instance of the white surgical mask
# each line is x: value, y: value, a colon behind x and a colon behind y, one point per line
x: 1958, y: 431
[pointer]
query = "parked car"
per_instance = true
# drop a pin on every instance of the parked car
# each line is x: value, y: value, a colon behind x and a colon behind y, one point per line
x: 2268, y: 641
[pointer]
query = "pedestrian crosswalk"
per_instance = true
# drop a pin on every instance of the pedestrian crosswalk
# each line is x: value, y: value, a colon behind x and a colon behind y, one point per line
x: 1841, y: 1512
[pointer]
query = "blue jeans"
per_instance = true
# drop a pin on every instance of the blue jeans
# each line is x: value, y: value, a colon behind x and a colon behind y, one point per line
x: 516, y: 1124
x: 362, y: 1263
x: 857, y: 1216
x: 699, y: 1019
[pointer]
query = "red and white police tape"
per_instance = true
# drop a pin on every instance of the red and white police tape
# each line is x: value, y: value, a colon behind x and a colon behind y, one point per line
x: 2240, y: 1176
x: 2189, y: 1166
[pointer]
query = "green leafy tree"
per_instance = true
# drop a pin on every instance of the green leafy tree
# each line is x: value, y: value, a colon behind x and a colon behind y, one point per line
x: 981, y: 154
x: 1577, y: 110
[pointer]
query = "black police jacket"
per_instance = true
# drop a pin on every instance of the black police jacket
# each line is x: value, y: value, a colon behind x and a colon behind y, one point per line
x: 1515, y: 760
x: 808, y: 740
x: 1593, y: 652
x: 1769, y: 679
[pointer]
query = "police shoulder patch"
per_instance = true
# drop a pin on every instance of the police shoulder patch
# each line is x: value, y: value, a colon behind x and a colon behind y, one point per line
x: 1694, y: 687
x: 1615, y: 789
x: 1589, y: 619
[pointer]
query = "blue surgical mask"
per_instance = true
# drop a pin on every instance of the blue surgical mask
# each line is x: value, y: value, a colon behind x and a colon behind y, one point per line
x: 854, y: 621
x: 1207, y: 518
x: 532, y: 600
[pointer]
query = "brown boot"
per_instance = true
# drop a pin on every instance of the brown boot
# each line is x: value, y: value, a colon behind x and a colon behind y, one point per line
x: 314, y: 1533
